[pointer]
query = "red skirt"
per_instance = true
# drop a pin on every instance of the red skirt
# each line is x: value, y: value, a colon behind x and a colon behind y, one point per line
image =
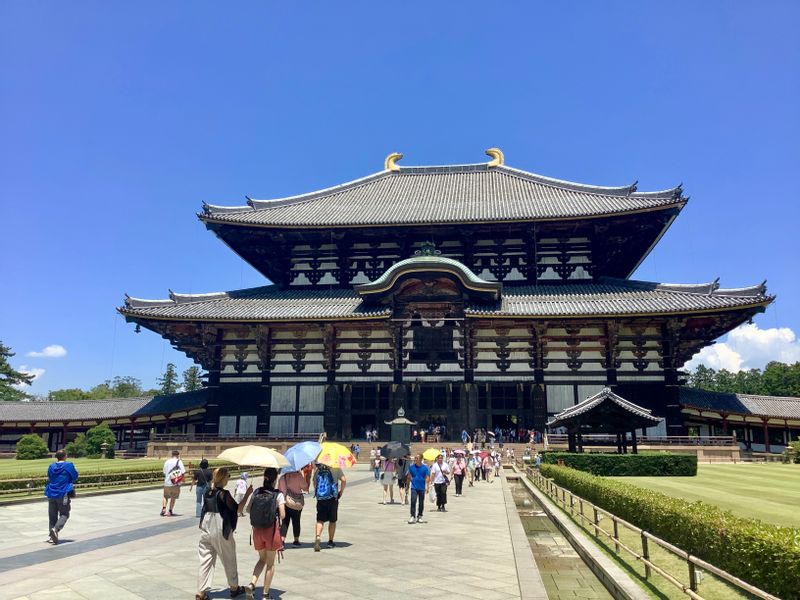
x: 267, y: 538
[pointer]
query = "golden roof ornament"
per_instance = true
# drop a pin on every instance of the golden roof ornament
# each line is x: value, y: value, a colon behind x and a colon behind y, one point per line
x: 497, y: 157
x: 390, y: 164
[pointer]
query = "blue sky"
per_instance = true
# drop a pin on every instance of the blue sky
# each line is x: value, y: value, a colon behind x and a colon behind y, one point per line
x: 119, y: 119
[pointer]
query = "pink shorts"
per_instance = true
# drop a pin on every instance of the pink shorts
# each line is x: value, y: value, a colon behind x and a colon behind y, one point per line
x: 267, y: 538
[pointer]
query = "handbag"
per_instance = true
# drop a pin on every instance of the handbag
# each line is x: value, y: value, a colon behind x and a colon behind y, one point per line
x: 294, y: 501
x: 176, y: 477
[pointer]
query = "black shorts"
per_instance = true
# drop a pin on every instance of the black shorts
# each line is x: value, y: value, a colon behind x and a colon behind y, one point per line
x: 401, y: 483
x: 327, y: 510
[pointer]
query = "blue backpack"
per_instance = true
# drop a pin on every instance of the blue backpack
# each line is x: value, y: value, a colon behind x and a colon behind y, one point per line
x: 325, y: 487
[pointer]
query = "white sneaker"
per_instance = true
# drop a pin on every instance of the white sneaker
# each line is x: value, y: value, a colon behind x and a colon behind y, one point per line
x: 419, y: 520
x: 412, y: 520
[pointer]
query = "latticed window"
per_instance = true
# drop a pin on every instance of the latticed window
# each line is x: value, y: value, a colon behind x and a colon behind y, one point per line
x: 433, y: 343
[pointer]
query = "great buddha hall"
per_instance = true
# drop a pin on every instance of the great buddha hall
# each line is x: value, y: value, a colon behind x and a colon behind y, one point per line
x: 471, y: 295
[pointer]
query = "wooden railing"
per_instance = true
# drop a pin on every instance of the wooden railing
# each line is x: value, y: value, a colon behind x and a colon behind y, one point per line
x: 219, y: 437
x: 648, y: 440
x: 577, y: 507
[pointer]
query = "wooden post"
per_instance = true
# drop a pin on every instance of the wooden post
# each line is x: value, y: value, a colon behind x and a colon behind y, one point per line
x: 634, y: 447
x: 646, y: 555
x: 692, y: 576
x: 766, y: 435
x: 64, y: 435
x: 130, y: 443
x: 616, y: 534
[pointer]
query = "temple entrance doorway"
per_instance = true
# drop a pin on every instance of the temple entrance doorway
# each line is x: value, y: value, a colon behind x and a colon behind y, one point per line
x: 359, y: 423
x: 504, y: 421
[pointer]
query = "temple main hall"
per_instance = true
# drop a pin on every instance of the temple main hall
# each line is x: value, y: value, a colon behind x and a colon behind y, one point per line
x: 474, y: 295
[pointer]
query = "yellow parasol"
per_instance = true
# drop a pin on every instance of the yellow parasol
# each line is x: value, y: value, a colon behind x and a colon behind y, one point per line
x: 336, y: 456
x: 431, y: 454
x: 254, y: 456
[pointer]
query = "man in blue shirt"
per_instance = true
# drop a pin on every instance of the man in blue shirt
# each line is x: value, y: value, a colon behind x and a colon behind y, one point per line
x: 61, y: 476
x: 419, y: 479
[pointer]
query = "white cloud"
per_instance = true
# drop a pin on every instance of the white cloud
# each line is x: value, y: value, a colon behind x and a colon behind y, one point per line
x: 54, y: 351
x: 29, y: 371
x: 749, y: 347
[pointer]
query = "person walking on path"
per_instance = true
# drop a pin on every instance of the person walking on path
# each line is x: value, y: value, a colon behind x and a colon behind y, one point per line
x: 486, y: 468
x: 60, y: 490
x: 418, y: 481
x: 387, y: 478
x: 173, y: 477
x: 328, y: 488
x: 441, y: 478
x: 402, y: 475
x: 267, y: 505
x: 471, y: 470
x: 201, y: 477
x: 293, y: 486
x: 376, y: 466
x: 459, y: 471
x: 217, y: 524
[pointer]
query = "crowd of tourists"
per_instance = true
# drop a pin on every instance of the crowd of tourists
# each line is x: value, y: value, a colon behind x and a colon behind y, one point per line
x: 278, y: 503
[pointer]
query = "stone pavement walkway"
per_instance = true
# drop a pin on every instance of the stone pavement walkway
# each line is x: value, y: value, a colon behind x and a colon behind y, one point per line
x: 119, y: 548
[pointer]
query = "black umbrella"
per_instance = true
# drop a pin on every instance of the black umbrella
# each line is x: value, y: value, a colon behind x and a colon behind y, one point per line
x: 395, y: 450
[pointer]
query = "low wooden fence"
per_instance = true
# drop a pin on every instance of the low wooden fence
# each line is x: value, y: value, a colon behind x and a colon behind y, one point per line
x: 560, y: 439
x: 578, y: 508
x: 31, y: 486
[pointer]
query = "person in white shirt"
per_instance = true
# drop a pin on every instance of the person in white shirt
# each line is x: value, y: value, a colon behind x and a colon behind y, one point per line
x: 441, y: 478
x: 173, y: 477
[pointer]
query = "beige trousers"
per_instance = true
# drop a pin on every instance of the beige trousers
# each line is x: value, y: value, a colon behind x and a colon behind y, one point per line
x: 212, y: 544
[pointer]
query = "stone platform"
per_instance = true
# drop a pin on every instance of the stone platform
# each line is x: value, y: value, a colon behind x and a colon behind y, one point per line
x: 118, y: 547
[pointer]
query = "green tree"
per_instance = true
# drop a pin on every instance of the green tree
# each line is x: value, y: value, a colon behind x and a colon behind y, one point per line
x: 96, y: 437
x: 78, y: 447
x: 30, y: 447
x: 119, y: 387
x: 191, y: 379
x: 702, y: 378
x: 67, y: 395
x: 168, y: 382
x: 10, y: 377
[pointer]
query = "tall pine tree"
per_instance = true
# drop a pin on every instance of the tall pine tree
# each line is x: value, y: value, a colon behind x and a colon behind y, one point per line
x: 191, y: 379
x: 168, y: 382
x: 10, y: 377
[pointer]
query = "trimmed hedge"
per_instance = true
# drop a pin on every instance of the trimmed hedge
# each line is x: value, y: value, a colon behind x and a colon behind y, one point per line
x: 631, y: 465
x: 765, y: 555
x: 31, y: 447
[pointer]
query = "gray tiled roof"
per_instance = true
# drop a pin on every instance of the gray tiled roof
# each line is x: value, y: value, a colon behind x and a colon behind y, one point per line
x: 610, y: 296
x: 780, y: 407
x: 603, y: 298
x: 101, y: 410
x: 447, y: 194
x: 604, y: 395
x: 84, y: 410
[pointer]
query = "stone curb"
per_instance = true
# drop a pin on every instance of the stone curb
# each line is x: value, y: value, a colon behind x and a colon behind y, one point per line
x: 531, y: 586
x: 616, y: 581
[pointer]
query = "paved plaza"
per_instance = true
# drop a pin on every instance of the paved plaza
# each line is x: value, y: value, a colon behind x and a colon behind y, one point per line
x: 118, y: 547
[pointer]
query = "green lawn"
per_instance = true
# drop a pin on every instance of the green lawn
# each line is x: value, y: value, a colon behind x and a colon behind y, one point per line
x: 766, y: 491
x: 15, y: 469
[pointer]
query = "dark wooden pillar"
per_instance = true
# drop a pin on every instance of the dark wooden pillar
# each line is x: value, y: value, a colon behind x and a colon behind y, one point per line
x: 131, y: 440
x: 766, y: 435
x: 571, y: 446
x: 166, y: 423
x: 634, y: 446
x: 64, y: 435
x: 347, y: 413
x: 724, y: 424
x: 619, y: 444
x: 580, y: 441
x: 472, y: 406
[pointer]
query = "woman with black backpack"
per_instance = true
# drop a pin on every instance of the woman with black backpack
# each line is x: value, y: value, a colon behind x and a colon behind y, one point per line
x: 267, y: 511
x: 217, y: 524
